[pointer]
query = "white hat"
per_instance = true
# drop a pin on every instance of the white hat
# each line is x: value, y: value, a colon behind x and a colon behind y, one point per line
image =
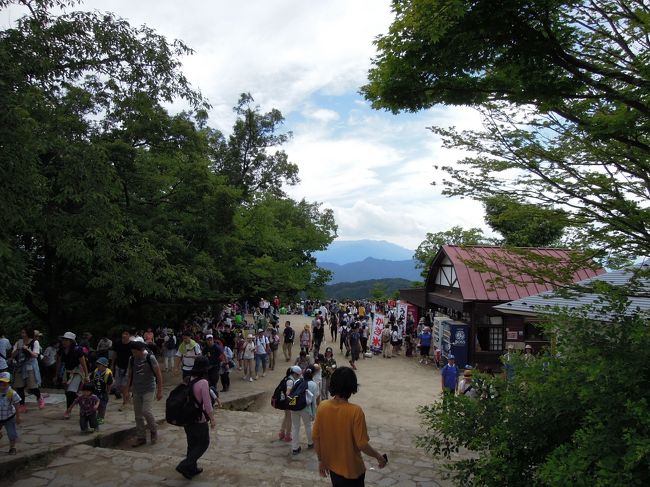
x: 296, y: 370
x: 137, y: 339
x: 68, y: 335
x: 207, y: 337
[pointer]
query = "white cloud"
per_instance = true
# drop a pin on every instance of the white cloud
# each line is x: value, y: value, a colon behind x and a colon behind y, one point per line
x: 374, y: 170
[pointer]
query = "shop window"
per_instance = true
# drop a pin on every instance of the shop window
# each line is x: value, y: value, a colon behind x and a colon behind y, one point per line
x: 489, y: 336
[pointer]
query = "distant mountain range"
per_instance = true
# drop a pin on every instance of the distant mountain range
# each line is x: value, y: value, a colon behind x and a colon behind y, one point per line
x: 346, y: 251
x: 362, y: 289
x: 371, y: 268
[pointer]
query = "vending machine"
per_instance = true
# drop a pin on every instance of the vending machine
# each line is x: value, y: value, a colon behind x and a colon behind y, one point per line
x: 455, y: 340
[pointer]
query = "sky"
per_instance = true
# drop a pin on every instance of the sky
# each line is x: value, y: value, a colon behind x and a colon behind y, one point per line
x: 308, y: 59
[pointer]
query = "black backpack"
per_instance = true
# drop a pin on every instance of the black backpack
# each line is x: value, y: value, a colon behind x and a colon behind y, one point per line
x: 181, y: 407
x: 297, y: 399
x: 279, y: 397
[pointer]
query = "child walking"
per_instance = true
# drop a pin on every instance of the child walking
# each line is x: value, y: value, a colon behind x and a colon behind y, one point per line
x: 102, y: 380
x: 9, y: 412
x: 88, y: 406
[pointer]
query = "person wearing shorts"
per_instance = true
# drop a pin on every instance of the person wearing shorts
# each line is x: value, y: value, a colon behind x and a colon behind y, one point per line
x: 9, y: 411
x: 425, y: 345
x: 76, y: 367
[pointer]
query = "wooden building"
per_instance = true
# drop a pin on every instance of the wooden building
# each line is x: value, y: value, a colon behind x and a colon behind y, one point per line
x: 454, y: 287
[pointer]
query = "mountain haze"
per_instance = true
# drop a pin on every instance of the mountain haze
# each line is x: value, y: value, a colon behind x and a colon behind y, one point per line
x: 346, y: 251
x: 371, y: 268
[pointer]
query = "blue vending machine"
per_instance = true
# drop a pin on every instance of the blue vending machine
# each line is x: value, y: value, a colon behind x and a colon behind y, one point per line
x: 455, y: 340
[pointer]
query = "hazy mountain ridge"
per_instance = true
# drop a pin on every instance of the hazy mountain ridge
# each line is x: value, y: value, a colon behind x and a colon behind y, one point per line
x: 348, y: 251
x: 371, y: 268
x: 362, y: 289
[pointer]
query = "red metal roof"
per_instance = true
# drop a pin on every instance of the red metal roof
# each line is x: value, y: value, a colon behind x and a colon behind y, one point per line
x: 480, y: 286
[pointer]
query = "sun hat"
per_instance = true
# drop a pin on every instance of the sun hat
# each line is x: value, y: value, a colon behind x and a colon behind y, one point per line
x: 102, y: 361
x: 68, y: 335
x: 296, y: 370
x: 259, y: 330
x: 467, y: 373
x: 5, y: 377
x: 530, y: 347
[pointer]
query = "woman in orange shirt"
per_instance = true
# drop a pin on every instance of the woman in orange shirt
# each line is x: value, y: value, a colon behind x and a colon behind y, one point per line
x: 340, y: 433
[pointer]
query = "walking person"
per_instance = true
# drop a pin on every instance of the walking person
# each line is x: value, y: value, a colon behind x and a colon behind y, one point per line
x: 354, y: 339
x: 261, y: 352
x: 9, y: 410
x: 305, y: 339
x: 288, y: 336
x: 274, y: 342
x: 449, y: 376
x: 74, y: 362
x: 145, y: 380
x: 27, y: 374
x: 248, y: 355
x: 328, y: 367
x: 197, y: 433
x: 293, y: 374
x: 425, y: 345
x: 340, y: 434
x: 385, y: 342
x: 120, y: 366
x: 187, y: 353
x: 306, y: 415
x: 333, y: 327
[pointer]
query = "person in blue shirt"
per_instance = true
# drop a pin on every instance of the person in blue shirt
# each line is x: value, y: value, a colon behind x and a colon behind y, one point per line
x: 449, y: 375
x: 425, y: 345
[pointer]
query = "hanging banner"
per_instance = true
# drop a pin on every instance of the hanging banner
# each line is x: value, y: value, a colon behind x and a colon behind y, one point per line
x: 375, y: 336
x: 402, y: 313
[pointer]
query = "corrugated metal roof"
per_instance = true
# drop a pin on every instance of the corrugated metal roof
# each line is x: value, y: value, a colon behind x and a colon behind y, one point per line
x: 488, y: 286
x: 532, y: 305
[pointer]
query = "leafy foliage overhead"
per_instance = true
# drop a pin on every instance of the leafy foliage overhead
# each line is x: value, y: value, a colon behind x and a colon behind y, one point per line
x: 114, y: 210
x: 563, y: 88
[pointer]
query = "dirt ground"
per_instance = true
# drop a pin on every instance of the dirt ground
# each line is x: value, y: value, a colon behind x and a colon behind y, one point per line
x: 390, y: 389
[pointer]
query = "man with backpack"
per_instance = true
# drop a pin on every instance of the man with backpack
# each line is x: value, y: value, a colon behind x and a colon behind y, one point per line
x: 279, y: 401
x: 145, y: 378
x: 196, y: 402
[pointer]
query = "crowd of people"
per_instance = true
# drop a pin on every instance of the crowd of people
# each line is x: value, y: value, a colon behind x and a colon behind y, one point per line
x: 207, y: 350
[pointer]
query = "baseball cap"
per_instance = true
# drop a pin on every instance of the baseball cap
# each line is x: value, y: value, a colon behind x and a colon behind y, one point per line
x: 6, y: 376
x: 451, y: 357
x: 207, y: 337
x: 296, y: 370
x: 102, y: 361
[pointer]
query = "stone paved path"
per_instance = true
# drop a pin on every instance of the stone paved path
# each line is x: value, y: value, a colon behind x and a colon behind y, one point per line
x: 244, y: 450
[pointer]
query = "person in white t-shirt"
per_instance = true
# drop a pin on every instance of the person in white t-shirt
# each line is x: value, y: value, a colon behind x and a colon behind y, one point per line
x: 261, y: 352
x: 27, y: 374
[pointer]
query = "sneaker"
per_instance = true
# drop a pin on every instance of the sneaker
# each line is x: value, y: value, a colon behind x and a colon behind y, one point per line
x: 296, y: 451
x: 12, y: 451
x: 250, y: 379
x: 154, y: 437
x: 66, y: 415
x: 264, y: 374
x: 185, y: 474
x: 41, y: 403
x: 310, y: 446
x: 257, y: 377
x: 138, y: 442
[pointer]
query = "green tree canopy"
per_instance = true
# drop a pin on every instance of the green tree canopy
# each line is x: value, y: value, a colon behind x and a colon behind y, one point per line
x: 524, y: 225
x: 116, y: 210
x: 456, y: 235
x: 563, y: 87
